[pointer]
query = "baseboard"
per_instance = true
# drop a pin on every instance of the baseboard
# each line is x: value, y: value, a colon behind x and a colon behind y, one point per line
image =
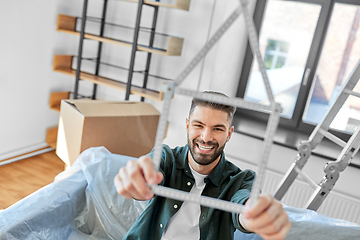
x: 24, y: 150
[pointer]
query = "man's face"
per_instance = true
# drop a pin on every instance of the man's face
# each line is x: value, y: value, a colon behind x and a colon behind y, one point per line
x: 208, y: 130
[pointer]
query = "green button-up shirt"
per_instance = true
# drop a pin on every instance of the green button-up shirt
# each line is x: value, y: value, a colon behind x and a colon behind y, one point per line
x: 226, y: 182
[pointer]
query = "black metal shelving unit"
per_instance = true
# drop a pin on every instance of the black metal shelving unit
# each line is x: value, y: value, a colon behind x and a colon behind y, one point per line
x: 84, y: 18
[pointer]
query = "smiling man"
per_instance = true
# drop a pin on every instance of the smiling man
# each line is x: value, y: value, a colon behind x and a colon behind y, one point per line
x: 199, y: 167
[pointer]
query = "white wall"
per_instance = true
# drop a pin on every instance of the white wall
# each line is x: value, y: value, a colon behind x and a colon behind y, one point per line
x: 27, y: 43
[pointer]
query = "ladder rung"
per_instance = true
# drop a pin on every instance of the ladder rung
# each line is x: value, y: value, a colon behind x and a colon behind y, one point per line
x: 332, y: 137
x: 306, y: 177
x: 356, y: 94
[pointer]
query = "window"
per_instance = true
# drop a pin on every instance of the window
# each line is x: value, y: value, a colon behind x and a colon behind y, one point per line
x: 309, y: 47
x: 340, y: 53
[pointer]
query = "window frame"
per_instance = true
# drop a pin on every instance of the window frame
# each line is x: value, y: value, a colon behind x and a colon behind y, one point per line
x: 295, y: 124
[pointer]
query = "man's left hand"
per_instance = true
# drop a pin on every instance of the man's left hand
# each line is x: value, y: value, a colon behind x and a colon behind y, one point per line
x: 266, y: 218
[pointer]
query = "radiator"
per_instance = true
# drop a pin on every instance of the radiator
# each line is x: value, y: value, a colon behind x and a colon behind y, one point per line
x: 336, y: 205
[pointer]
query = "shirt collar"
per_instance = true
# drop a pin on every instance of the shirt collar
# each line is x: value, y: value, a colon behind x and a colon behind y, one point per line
x: 215, y: 176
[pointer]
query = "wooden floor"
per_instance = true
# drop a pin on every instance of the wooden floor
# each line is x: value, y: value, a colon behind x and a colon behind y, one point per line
x: 19, y: 179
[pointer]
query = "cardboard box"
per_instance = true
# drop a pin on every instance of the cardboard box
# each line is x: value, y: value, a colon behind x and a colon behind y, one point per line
x: 127, y: 128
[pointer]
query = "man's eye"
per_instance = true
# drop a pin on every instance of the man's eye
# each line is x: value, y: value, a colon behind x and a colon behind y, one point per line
x: 197, y: 125
x: 219, y: 129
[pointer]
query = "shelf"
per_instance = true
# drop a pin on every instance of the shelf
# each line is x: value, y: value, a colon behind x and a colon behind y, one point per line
x: 179, y: 4
x: 55, y: 100
x: 63, y: 64
x: 67, y: 24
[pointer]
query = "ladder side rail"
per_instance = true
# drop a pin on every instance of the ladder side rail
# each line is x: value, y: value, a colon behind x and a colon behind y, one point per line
x: 350, y: 150
x: 304, y: 153
x: 332, y: 171
x: 349, y: 85
x: 332, y: 174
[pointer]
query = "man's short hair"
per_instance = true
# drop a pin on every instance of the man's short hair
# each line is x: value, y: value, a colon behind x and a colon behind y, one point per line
x: 230, y: 110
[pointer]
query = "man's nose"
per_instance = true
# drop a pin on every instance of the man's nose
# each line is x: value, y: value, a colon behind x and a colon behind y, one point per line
x: 206, y: 135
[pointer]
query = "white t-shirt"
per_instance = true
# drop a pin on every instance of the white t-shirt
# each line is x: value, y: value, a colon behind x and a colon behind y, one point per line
x: 185, y: 223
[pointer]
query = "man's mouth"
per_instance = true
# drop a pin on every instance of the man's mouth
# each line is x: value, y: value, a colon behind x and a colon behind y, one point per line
x: 205, y: 148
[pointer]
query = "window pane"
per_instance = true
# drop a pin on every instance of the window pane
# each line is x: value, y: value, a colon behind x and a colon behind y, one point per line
x: 340, y: 54
x: 286, y: 35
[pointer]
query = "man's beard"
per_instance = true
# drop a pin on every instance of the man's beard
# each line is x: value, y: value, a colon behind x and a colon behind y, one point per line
x: 204, y: 159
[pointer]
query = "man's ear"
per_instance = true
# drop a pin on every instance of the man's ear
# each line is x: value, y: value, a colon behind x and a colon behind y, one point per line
x: 187, y: 123
x: 231, y: 130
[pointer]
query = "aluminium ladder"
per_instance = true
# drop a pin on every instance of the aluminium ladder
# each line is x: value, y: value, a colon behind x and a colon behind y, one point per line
x: 332, y: 169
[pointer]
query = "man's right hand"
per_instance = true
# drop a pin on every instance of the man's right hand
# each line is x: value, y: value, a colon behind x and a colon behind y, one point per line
x: 132, y: 181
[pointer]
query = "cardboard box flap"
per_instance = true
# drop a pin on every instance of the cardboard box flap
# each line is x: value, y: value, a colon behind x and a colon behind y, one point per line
x: 106, y: 108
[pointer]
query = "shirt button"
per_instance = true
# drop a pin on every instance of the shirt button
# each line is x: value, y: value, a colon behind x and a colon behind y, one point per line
x: 175, y: 206
x: 161, y: 225
x: 188, y: 183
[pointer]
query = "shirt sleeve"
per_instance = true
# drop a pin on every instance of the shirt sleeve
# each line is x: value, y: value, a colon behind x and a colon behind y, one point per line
x: 241, y: 196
